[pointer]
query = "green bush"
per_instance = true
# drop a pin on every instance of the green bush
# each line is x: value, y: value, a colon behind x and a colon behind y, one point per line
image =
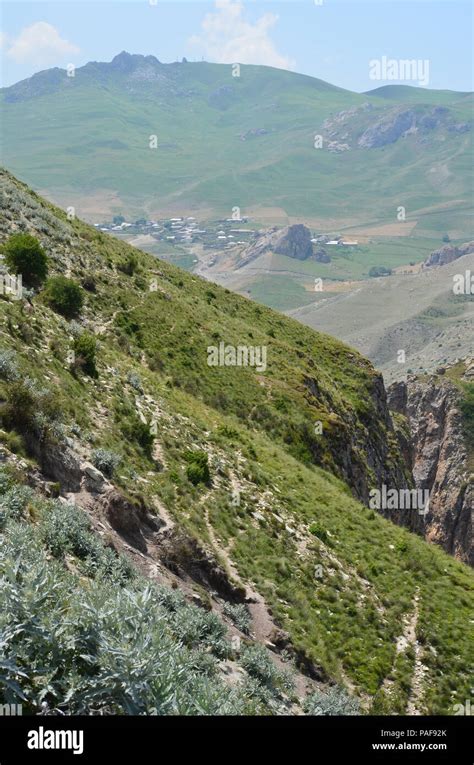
x: 64, y: 296
x: 239, y: 614
x: 24, y: 255
x: 334, y: 702
x: 85, y: 346
x: 106, y: 461
x: 198, y: 467
x: 30, y: 409
x: 135, y: 430
x: 8, y: 366
x: 81, y: 646
x: 257, y: 662
x: 129, y: 265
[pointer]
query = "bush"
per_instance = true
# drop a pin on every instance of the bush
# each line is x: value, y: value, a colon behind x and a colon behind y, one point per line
x: 80, y: 646
x: 198, y: 467
x: 134, y: 380
x: 24, y: 255
x: 334, y: 702
x: 106, y: 461
x: 13, y: 503
x: 380, y: 271
x: 318, y: 531
x: 239, y: 615
x: 19, y: 408
x: 129, y: 265
x: 64, y: 296
x: 85, y: 346
x: 135, y: 430
x: 8, y: 366
x: 257, y: 662
x: 30, y: 409
x: 66, y: 529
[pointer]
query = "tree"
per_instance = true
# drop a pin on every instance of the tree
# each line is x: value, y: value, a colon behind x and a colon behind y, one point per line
x: 64, y: 296
x: 380, y: 271
x: 24, y: 255
x: 119, y: 219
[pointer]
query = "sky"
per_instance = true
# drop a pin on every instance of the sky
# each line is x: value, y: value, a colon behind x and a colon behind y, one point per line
x: 334, y: 40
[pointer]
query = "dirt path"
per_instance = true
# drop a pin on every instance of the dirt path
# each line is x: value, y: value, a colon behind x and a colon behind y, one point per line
x: 262, y: 623
x: 405, y: 640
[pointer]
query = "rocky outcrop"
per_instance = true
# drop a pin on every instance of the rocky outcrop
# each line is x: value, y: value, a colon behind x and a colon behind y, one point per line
x: 363, y: 457
x: 292, y: 241
x: 447, y: 254
x: 439, y: 462
x: 387, y: 130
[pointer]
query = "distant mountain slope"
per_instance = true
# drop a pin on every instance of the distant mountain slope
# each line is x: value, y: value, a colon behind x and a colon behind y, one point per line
x: 234, y: 484
x: 247, y: 142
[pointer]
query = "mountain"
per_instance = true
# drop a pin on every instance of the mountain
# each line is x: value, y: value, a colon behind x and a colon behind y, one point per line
x: 185, y: 533
x: 246, y: 141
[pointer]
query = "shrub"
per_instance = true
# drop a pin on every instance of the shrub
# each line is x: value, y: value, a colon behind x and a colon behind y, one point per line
x: 239, y: 615
x: 134, y: 380
x: 66, y: 529
x: 24, y: 255
x: 19, y: 408
x: 135, y: 430
x: 85, y: 346
x: 106, y: 461
x: 13, y: 503
x: 30, y: 409
x: 334, y: 702
x: 198, y: 467
x: 8, y: 366
x: 257, y: 662
x: 318, y: 531
x: 380, y: 271
x: 64, y: 296
x: 129, y: 265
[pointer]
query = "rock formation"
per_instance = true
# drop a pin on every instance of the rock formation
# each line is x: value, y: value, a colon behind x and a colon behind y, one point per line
x: 439, y: 461
x: 447, y: 254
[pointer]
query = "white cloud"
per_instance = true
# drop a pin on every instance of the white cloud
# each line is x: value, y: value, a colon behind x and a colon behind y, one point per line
x: 227, y: 38
x: 40, y: 43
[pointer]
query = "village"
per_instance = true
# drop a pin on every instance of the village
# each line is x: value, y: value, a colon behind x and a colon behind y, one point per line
x: 220, y: 234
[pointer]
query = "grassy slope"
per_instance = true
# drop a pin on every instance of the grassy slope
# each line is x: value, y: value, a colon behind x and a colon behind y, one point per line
x: 293, y: 516
x: 201, y: 160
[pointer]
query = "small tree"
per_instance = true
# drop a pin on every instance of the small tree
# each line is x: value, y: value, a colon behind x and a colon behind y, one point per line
x: 24, y: 255
x: 64, y: 296
x: 85, y: 348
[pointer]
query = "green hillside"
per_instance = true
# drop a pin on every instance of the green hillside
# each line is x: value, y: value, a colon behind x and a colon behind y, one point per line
x: 246, y: 141
x: 255, y: 476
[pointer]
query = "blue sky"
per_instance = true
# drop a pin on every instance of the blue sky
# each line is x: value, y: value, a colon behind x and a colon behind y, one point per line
x: 334, y: 41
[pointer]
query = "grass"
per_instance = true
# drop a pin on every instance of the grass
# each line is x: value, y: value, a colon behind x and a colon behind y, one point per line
x: 201, y: 160
x: 341, y: 593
